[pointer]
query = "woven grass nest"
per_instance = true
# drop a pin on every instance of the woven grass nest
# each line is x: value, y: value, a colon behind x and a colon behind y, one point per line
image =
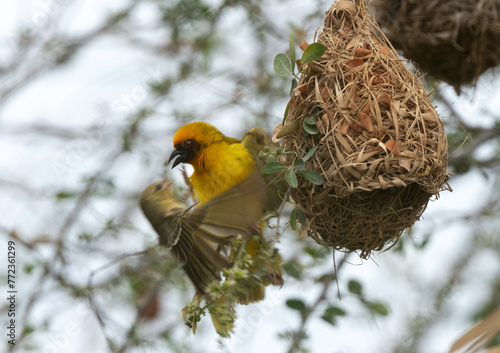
x: 453, y: 40
x: 381, y: 148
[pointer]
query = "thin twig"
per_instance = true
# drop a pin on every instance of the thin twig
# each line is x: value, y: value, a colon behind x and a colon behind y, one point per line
x: 90, y: 285
x: 299, y: 334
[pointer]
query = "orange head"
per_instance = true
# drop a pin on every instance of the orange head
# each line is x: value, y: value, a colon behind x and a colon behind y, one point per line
x: 190, y: 139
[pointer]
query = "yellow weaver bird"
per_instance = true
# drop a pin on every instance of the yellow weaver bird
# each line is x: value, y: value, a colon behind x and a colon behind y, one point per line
x: 221, y: 162
x: 197, y: 235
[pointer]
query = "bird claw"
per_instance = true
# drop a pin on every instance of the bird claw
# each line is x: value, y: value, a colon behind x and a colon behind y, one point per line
x: 276, y: 279
x: 189, y: 192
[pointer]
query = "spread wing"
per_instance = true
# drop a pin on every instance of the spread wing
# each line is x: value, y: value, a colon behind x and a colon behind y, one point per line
x: 235, y: 211
x: 198, y: 236
x: 201, y: 259
x: 204, y: 263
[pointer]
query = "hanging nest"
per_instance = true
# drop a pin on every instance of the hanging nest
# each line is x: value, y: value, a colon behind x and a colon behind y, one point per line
x: 453, y: 40
x: 381, y: 148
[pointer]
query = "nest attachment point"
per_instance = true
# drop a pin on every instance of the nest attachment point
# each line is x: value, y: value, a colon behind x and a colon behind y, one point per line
x: 381, y: 148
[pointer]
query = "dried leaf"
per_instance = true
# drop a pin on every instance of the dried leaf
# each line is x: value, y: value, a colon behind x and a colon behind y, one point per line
x: 365, y: 121
x: 362, y: 52
x: 344, y: 128
x: 392, y: 146
x: 322, y: 124
x: 276, y: 132
x: 355, y: 63
x: 342, y: 100
x: 366, y: 109
x: 406, y: 164
x: 305, y: 88
x: 357, y: 128
x: 303, y: 45
x: 302, y: 233
x: 430, y: 117
x: 384, y: 50
x: 346, y: 32
x: 346, y: 6
x: 324, y: 93
x: 384, y: 100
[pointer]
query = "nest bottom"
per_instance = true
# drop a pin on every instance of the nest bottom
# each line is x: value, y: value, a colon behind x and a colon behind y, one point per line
x: 366, y: 221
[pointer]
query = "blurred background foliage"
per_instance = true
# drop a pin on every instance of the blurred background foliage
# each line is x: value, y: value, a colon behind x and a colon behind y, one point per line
x: 90, y: 97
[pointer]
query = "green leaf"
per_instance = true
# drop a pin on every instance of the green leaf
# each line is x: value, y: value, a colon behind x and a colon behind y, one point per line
x: 28, y: 329
x: 288, y: 129
x: 291, y: 178
x: 294, y: 85
x: 310, y: 153
x: 61, y: 195
x: 299, y: 165
x: 329, y: 319
x: 421, y: 245
x: 315, y: 253
x: 272, y: 168
x: 302, y: 218
x: 311, y: 120
x: 86, y: 237
x: 331, y: 313
x: 313, y: 177
x: 297, y: 304
x: 310, y: 129
x: 286, y: 113
x: 354, y: 287
x: 291, y: 51
x: 271, y: 159
x: 28, y: 268
x: 293, y: 219
x: 293, y: 269
x: 313, y: 51
x: 399, y: 247
x: 378, y: 308
x: 282, y: 65
x: 333, y: 310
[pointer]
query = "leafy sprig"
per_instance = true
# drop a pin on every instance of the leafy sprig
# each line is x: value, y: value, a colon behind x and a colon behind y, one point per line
x: 245, y: 273
x: 284, y: 66
x: 292, y: 173
x: 273, y: 166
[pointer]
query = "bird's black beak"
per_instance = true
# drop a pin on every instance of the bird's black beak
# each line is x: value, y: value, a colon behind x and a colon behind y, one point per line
x: 181, y: 157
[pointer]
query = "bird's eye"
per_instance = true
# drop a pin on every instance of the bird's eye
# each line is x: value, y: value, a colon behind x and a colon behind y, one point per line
x: 187, y: 143
x: 158, y: 187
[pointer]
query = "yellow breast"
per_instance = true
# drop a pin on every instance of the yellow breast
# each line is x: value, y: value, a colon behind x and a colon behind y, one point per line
x: 219, y: 167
